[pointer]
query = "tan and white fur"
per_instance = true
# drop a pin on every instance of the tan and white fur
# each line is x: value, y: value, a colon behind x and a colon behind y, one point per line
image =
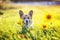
x: 27, y: 18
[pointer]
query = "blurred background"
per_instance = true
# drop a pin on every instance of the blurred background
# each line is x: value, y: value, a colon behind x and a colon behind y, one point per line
x: 10, y: 3
x: 56, y: 1
x: 27, y: 0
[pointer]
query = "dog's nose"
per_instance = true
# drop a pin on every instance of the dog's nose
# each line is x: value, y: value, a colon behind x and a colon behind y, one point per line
x: 26, y: 21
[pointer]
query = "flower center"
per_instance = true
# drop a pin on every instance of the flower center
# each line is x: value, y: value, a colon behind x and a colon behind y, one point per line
x: 44, y: 26
x: 48, y: 16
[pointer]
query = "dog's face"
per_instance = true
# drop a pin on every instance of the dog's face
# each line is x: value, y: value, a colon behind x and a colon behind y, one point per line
x: 27, y: 19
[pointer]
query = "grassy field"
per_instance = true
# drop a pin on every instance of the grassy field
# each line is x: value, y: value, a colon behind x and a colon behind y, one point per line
x: 46, y: 25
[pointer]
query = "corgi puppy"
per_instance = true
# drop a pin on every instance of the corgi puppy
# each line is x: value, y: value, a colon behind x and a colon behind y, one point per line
x: 26, y: 18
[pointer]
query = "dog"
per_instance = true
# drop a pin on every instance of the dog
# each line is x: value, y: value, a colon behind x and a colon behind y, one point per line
x: 27, y: 18
x: 27, y: 23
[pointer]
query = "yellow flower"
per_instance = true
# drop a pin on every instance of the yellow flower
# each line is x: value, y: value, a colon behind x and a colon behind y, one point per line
x: 44, y: 25
x: 20, y: 22
x: 48, y: 17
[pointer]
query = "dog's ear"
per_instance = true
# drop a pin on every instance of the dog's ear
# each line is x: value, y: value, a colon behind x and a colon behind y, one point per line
x: 31, y: 13
x: 21, y: 13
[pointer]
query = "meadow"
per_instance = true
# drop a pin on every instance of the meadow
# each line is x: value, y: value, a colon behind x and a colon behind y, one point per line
x: 46, y: 23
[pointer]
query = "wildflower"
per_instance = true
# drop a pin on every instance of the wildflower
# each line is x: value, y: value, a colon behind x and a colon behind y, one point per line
x: 44, y: 26
x: 48, y: 16
x: 20, y: 22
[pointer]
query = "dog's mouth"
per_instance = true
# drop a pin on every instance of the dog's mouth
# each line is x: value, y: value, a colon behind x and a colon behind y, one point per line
x: 27, y: 23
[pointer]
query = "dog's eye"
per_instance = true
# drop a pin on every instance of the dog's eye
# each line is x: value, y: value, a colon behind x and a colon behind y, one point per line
x: 28, y: 17
x: 24, y: 18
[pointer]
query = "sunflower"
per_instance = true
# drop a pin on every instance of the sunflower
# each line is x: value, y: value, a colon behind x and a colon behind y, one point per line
x: 49, y: 17
x: 44, y: 25
x: 20, y: 22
